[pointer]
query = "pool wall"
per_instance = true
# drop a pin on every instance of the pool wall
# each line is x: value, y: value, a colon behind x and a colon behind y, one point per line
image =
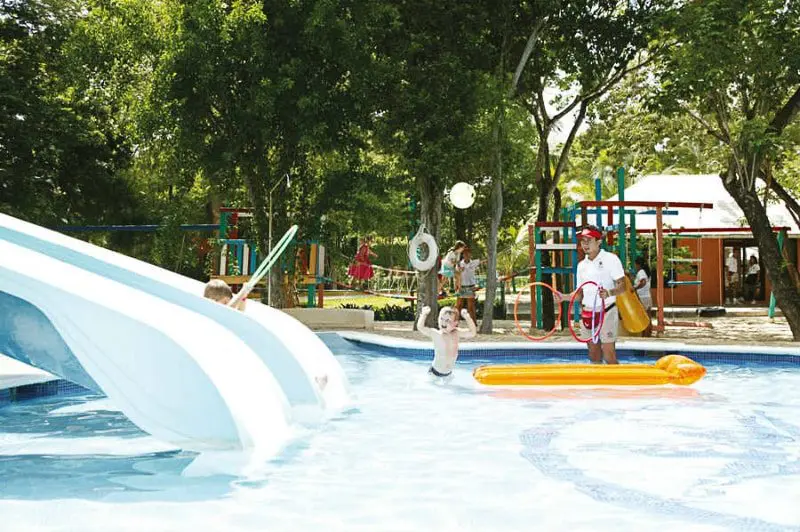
x: 524, y: 351
x: 27, y: 392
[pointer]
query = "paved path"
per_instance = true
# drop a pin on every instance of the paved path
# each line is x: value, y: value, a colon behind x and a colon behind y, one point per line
x: 750, y: 330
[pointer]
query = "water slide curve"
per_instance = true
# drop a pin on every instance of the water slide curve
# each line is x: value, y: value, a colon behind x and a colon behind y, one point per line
x: 183, y: 368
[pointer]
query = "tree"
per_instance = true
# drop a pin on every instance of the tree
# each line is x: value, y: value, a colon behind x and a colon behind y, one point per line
x: 623, y: 130
x: 558, y: 78
x: 60, y: 154
x: 736, y: 72
x: 257, y: 89
x: 433, y: 66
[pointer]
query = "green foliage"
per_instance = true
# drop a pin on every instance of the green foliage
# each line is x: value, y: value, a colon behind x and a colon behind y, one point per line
x: 565, y: 77
x: 385, y: 313
x: 159, y: 112
x: 624, y: 131
x: 735, y: 68
x: 60, y: 155
x: 393, y: 312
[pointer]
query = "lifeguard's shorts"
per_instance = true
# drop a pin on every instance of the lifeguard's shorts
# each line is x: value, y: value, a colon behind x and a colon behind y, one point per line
x: 467, y: 291
x: 608, y: 332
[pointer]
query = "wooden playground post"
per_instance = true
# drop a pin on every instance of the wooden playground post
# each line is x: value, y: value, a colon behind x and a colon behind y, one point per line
x: 531, y: 268
x: 660, y: 270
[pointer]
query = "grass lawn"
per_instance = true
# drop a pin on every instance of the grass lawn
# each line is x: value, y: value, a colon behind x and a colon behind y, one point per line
x: 376, y: 302
x: 362, y: 300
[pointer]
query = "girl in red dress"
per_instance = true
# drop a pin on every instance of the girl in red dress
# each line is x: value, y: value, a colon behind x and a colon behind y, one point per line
x: 361, y: 268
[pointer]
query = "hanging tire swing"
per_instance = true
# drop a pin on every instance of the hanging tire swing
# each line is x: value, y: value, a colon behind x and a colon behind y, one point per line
x: 416, y: 252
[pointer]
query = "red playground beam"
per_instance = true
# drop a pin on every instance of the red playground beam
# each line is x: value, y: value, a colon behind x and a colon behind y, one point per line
x: 656, y: 204
x: 680, y: 230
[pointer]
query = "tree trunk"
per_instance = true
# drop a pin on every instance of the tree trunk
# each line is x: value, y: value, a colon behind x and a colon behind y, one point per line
x: 431, y: 198
x: 461, y: 226
x: 786, y: 294
x: 255, y: 178
x: 546, y: 190
x: 491, y: 251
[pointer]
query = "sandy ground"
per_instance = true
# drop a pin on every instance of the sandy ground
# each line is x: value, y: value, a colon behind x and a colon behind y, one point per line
x: 754, y: 330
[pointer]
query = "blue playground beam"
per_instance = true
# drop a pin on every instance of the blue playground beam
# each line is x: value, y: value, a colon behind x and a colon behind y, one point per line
x: 131, y: 228
x: 604, y: 210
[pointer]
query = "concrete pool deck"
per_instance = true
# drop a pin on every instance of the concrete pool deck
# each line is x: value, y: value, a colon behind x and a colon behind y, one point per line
x: 724, y: 331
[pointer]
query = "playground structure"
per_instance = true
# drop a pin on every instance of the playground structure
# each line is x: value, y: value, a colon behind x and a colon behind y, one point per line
x: 238, y: 257
x: 626, y: 218
x: 302, y: 267
x: 695, y: 279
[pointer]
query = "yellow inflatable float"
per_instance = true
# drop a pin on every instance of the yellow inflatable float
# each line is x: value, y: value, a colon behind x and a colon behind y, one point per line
x: 670, y: 369
x: 633, y: 315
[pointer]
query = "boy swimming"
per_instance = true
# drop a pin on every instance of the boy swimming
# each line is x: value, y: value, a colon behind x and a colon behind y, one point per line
x: 445, y: 338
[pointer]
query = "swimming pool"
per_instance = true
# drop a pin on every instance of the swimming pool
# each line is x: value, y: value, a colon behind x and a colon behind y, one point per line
x: 721, y: 455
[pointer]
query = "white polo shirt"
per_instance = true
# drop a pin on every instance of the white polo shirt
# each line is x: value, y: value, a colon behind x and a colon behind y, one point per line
x: 468, y: 272
x: 644, y: 291
x: 604, y: 270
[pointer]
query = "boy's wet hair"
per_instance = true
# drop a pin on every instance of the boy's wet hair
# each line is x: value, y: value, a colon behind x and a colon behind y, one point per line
x: 445, y: 314
x: 217, y: 289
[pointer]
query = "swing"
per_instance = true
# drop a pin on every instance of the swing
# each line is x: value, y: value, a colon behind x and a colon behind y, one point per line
x: 697, y: 281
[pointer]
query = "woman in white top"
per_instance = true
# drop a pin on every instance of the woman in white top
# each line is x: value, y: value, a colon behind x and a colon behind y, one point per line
x: 751, y: 280
x: 449, y: 268
x: 466, y: 296
x: 642, y: 285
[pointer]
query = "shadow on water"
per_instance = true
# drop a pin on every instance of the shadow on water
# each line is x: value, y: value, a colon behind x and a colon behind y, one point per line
x: 64, y: 448
x: 80, y: 448
x: 150, y: 476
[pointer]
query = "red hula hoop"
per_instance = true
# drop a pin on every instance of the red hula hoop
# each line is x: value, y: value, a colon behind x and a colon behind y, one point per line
x: 602, y: 315
x: 516, y: 320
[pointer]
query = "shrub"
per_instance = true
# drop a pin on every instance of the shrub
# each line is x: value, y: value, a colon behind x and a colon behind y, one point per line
x: 404, y: 313
x: 387, y: 313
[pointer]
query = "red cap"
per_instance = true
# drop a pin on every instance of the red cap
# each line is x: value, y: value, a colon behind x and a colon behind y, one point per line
x: 591, y: 233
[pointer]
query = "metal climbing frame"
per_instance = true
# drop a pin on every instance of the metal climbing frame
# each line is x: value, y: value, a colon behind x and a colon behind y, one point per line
x: 565, y: 263
x: 660, y: 207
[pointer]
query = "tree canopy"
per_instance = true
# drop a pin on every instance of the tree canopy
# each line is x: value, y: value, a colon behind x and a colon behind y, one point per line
x: 120, y: 111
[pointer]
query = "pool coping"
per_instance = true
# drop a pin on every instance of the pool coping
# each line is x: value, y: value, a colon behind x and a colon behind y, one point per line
x: 721, y: 352
x: 405, y: 343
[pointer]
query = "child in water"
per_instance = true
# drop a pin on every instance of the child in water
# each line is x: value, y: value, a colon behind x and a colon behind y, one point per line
x: 445, y: 338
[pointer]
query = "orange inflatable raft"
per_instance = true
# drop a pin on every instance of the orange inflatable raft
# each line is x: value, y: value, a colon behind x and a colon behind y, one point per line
x: 670, y: 369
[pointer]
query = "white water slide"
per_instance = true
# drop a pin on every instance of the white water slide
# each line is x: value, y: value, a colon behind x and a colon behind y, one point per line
x: 183, y: 368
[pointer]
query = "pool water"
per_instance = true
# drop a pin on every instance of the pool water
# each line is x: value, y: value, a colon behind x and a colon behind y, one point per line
x: 415, y: 455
